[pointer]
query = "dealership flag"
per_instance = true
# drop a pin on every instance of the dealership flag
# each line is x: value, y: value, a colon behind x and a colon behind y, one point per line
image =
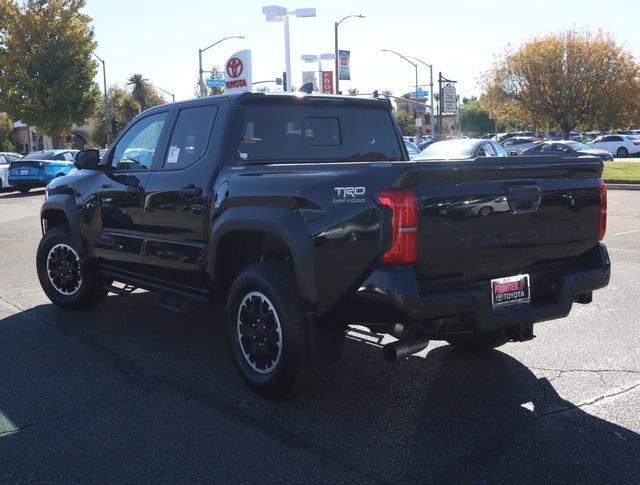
x: 343, y: 60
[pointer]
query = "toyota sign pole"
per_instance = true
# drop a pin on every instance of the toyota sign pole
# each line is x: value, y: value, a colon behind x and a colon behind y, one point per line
x: 200, y: 51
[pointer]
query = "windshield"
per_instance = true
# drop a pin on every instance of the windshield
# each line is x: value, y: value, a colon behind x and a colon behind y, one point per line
x: 48, y: 155
x: 316, y: 133
x: 577, y: 146
x: 449, y: 149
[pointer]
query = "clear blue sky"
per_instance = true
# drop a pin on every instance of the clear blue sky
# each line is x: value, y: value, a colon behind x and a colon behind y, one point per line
x: 161, y: 39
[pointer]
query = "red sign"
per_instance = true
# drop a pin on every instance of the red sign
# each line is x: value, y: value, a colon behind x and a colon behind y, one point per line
x: 327, y: 82
x: 234, y: 67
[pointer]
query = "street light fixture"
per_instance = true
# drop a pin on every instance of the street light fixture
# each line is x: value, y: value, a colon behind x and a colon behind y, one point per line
x: 416, y: 68
x: 106, y: 100
x: 200, y: 51
x: 318, y: 58
x: 337, y: 52
x: 430, y: 66
x: 274, y: 13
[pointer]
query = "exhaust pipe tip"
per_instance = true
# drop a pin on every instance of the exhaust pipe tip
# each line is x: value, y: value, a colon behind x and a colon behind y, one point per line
x: 401, y: 349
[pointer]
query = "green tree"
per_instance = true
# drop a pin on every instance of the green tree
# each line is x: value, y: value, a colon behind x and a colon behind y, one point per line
x: 475, y: 119
x: 141, y: 89
x: 568, y: 79
x: 6, y: 128
x: 353, y: 91
x: 406, y: 123
x: 122, y: 109
x: 8, y: 146
x: 46, y: 70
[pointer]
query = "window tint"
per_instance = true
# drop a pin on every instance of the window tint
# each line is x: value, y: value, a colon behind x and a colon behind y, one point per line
x: 482, y: 151
x: 190, y: 136
x: 509, y: 142
x: 136, y: 148
x: 317, y: 133
x: 615, y: 138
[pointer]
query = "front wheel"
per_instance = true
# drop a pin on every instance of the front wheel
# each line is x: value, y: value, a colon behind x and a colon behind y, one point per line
x: 268, y: 331
x: 622, y: 152
x: 66, y: 280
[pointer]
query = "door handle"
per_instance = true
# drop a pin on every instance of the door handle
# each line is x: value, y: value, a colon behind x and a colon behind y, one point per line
x: 191, y: 191
x: 135, y: 189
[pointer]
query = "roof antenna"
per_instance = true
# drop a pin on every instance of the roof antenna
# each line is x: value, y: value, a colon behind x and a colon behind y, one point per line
x: 306, y: 88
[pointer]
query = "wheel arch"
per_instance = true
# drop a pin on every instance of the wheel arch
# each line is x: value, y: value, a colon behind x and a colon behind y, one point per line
x: 60, y: 209
x: 268, y: 232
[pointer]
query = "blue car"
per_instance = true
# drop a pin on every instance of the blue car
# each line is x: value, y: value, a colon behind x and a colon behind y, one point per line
x: 37, y: 169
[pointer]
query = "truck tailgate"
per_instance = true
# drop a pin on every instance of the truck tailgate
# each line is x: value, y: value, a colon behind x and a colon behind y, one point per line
x: 498, y: 217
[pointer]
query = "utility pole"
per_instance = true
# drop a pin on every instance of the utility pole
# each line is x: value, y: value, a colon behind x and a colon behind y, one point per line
x: 337, y: 51
x: 415, y: 112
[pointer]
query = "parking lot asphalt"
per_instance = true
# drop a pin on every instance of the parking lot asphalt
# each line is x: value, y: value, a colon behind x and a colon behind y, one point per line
x: 129, y: 393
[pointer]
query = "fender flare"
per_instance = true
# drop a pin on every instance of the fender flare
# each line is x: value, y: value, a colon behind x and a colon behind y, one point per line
x: 280, y: 221
x: 65, y: 203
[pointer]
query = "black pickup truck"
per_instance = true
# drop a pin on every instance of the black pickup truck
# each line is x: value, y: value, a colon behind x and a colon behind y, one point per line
x: 306, y: 215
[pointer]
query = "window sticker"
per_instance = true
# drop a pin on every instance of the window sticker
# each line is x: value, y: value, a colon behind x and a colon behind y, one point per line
x: 174, y: 153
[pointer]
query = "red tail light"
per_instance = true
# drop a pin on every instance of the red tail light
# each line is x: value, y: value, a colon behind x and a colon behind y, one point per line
x: 41, y: 165
x: 603, y: 211
x: 404, y: 226
x: 636, y: 142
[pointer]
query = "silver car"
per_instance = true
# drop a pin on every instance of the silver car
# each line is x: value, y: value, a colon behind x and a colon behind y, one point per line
x: 518, y: 144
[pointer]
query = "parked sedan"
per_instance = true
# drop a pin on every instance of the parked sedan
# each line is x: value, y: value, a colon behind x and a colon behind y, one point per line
x: 567, y: 148
x: 462, y: 149
x: 5, y: 159
x: 37, y: 169
x: 518, y: 144
x: 621, y: 145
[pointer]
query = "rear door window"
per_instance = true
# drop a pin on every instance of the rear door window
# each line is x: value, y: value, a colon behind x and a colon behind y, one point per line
x: 190, y: 137
x: 316, y: 133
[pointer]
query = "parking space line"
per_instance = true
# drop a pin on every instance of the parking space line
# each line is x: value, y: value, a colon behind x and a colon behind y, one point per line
x: 634, y: 231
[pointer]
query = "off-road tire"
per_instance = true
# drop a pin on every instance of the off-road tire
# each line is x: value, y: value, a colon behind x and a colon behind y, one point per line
x: 292, y: 372
x: 90, y: 289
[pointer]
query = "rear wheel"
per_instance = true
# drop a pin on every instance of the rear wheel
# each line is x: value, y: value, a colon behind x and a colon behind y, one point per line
x: 622, y: 152
x: 478, y: 341
x: 268, y: 331
x: 66, y: 280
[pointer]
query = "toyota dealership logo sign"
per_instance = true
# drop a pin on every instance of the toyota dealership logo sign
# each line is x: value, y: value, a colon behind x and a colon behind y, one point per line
x: 234, y: 67
x: 238, y: 69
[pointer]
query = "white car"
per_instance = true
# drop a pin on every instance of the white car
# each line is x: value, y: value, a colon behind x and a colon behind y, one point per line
x: 620, y: 145
x: 5, y: 159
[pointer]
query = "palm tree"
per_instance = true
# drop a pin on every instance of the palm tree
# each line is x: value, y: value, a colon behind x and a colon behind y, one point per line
x: 353, y: 91
x: 387, y: 93
x: 140, y: 91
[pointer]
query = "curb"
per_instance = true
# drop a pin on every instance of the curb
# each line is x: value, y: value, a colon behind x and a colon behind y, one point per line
x: 614, y: 186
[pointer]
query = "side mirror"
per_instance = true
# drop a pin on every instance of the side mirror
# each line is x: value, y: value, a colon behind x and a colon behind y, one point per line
x: 87, y: 159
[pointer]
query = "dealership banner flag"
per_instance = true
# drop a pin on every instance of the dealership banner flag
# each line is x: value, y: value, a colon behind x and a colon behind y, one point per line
x: 343, y: 61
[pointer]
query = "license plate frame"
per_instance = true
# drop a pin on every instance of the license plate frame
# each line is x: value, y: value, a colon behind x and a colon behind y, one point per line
x: 510, y: 290
x: 24, y: 171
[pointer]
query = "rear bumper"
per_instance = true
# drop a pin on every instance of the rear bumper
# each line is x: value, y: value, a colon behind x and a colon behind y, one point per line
x: 392, y: 293
x: 29, y: 180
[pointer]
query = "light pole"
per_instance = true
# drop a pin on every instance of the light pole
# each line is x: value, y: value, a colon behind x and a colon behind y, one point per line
x: 416, y: 106
x: 430, y: 66
x: 337, y: 52
x: 274, y: 13
x: 319, y: 58
x: 200, y: 51
x: 173, y: 96
x: 106, y: 100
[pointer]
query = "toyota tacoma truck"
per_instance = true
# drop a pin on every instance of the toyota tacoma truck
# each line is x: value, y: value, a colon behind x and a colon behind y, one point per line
x: 305, y: 214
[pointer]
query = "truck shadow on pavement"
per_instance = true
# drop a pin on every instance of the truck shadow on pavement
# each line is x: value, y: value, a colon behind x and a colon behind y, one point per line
x: 450, y: 417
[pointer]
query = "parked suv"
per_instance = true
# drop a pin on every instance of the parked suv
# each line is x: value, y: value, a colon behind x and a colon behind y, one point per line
x: 304, y: 213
